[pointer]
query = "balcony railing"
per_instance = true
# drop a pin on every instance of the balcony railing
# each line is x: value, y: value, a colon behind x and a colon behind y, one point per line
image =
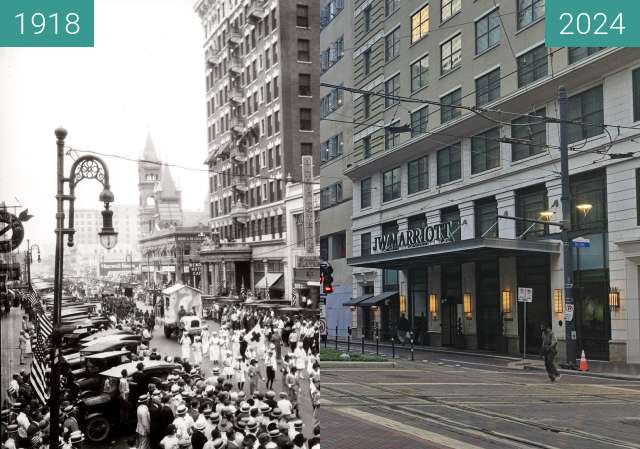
x: 235, y: 66
x: 257, y: 10
x: 238, y: 125
x: 235, y: 37
x: 239, y: 154
x: 236, y: 94
x: 213, y: 56
x: 240, y: 211
x: 240, y: 182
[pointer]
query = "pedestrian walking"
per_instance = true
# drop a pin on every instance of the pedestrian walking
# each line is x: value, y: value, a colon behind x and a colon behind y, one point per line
x: 549, y: 351
x: 185, y: 343
x: 214, y: 349
x: 197, y: 350
x: 123, y: 396
x: 143, y: 428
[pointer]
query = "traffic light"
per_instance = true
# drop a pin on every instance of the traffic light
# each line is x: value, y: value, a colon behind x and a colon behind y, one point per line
x: 326, y: 278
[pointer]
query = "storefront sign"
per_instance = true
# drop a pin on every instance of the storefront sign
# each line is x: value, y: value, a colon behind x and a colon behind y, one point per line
x: 306, y: 274
x: 307, y: 261
x: 411, y: 238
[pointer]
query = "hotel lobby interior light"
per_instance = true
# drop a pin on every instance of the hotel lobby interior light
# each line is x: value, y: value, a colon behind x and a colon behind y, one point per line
x: 466, y: 304
x: 506, y: 302
x: 585, y: 208
x: 557, y: 300
x: 433, y: 306
x: 547, y: 215
x: 614, y: 298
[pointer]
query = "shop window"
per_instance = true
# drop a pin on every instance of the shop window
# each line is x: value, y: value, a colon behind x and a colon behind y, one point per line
x: 589, y: 188
x: 585, y: 107
x: 485, y: 151
x: 530, y: 129
x: 486, y: 217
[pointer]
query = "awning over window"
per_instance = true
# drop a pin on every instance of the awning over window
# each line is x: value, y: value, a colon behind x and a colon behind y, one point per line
x: 269, y: 281
x: 355, y: 301
x: 375, y: 300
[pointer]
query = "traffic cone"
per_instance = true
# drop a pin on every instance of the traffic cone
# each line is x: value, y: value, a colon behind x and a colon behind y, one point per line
x: 584, y: 366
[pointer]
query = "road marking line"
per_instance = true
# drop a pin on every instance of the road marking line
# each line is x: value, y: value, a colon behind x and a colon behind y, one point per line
x: 422, y: 434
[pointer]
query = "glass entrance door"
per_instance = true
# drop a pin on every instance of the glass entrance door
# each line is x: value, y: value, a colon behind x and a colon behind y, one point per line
x: 592, y: 313
x: 488, y: 303
x: 533, y: 272
x: 451, y: 297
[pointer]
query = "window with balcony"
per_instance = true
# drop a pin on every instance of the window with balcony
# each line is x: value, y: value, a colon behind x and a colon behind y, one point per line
x: 391, y: 184
x: 419, y: 121
x: 420, y: 73
x: 447, y: 111
x: 451, y: 54
x: 533, y: 131
x: 488, y: 31
x: 488, y: 87
x: 532, y: 66
x: 418, y: 175
x: 365, y: 193
x: 392, y: 45
x: 448, y: 8
x: 420, y: 24
x: 485, y: 151
x: 529, y: 11
x: 449, y: 167
x: 586, y: 107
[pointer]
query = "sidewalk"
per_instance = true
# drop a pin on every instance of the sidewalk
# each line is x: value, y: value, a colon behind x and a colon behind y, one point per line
x: 597, y: 368
x: 11, y: 326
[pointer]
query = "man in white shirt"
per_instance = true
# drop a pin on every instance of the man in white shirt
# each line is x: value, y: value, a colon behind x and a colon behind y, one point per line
x: 143, y: 428
x: 284, y: 404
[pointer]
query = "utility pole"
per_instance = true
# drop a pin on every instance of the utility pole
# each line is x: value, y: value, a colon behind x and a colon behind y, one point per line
x: 565, y: 199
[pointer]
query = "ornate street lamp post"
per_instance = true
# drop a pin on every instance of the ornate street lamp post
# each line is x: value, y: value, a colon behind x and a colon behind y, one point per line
x: 85, y: 167
x: 30, y: 259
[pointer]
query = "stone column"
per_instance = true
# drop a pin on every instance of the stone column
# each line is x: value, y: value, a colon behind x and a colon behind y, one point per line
x: 266, y: 276
x: 204, y: 277
x: 224, y: 274
x: 507, y: 206
x: 467, y: 213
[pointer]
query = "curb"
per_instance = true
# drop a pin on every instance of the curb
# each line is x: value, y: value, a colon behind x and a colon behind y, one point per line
x: 372, y: 365
x: 588, y: 374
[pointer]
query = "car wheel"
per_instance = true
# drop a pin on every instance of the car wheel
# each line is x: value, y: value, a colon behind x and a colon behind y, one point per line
x: 98, y: 429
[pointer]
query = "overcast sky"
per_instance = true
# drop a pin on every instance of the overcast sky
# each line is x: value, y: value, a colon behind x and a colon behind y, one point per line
x: 145, y: 73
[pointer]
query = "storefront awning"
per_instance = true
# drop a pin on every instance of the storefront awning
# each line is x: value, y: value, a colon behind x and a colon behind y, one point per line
x: 269, y: 281
x: 375, y: 300
x: 454, y: 252
x: 356, y: 300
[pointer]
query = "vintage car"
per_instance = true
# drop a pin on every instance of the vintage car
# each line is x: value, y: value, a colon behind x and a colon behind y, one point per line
x: 111, y: 345
x: 88, y: 374
x: 99, y: 413
x: 114, y: 337
x: 191, y: 325
x: 101, y: 334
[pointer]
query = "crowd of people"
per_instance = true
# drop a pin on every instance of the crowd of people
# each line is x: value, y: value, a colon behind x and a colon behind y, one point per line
x: 222, y: 393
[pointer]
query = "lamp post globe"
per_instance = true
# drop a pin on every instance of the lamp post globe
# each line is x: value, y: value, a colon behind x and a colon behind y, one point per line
x: 108, y: 239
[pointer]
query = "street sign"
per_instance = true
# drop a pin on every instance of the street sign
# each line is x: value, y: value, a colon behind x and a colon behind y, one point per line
x: 568, y: 312
x: 323, y: 327
x: 581, y: 242
x: 525, y: 294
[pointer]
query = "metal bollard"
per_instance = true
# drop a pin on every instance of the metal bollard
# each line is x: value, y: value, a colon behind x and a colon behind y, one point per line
x: 336, y: 337
x: 377, y: 344
x: 348, y: 343
x: 393, y: 348
x: 412, y: 349
x: 363, y: 345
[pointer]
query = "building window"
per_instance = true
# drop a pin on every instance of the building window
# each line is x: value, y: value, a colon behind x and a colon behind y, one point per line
x: 419, y: 121
x: 529, y: 129
x: 420, y: 73
x: 366, y: 17
x: 365, y: 193
x: 331, y: 195
x: 391, y: 184
x: 392, y: 89
x: 452, y: 215
x: 449, y: 113
x: 420, y: 24
x: 305, y: 119
x: 299, y: 219
x: 306, y: 149
x: 365, y: 244
x: 486, y: 211
x: 302, y: 16
x: 451, y: 54
x: 585, y: 107
x: 278, y: 158
x: 589, y: 188
x: 331, y: 102
x: 331, y: 148
x: 529, y: 203
x: 366, y: 61
x: 330, y: 11
x: 488, y: 87
x: 418, y: 175
x: 488, y: 31
x: 276, y: 122
x: 392, y: 45
x: 330, y: 56
x: 391, y: 6
x: 324, y: 248
x: 449, y: 164
x: 529, y: 11
x: 636, y: 94
x: 338, y: 246
x: 365, y: 105
x: 575, y: 54
x: 485, y: 151
x: 417, y: 221
x: 448, y: 8
x: 532, y: 66
x: 304, y: 84
x: 303, y: 50
x: 391, y: 139
x: 366, y: 147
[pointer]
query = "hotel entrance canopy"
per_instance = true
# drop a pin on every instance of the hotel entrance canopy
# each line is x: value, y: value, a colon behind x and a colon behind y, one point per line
x: 454, y: 252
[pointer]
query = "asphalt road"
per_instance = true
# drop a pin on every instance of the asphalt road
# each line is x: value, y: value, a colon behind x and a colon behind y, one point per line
x: 461, y: 402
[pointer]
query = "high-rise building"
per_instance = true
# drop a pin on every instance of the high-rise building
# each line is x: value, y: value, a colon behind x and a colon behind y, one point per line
x: 261, y: 100
x: 433, y: 177
x: 336, y: 146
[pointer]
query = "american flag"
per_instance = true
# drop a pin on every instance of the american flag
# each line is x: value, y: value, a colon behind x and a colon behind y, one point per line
x: 40, y: 365
x: 38, y: 380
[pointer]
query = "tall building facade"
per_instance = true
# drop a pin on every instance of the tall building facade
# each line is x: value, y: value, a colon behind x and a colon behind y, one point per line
x: 431, y: 179
x: 336, y: 146
x: 261, y: 74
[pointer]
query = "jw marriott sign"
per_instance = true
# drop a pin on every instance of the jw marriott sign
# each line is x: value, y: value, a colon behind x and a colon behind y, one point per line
x: 411, y: 238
